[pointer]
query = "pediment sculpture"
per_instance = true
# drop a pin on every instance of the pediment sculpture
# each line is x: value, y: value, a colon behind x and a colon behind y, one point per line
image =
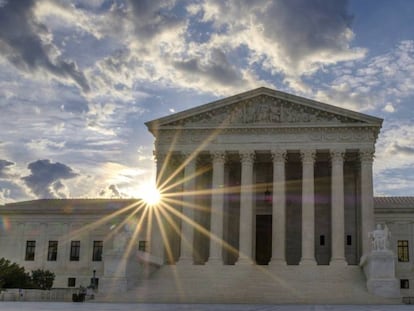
x: 262, y: 109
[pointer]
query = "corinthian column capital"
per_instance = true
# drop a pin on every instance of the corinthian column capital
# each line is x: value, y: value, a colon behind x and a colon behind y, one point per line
x: 218, y: 156
x: 308, y: 156
x: 366, y: 155
x: 337, y: 156
x: 247, y: 156
x: 279, y: 155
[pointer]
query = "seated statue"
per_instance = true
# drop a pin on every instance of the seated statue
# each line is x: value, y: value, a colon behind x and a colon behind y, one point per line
x: 380, y: 238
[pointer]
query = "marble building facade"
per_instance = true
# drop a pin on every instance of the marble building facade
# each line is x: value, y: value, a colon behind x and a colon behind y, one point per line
x: 260, y: 179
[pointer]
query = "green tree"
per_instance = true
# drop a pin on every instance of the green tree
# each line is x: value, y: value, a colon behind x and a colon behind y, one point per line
x: 42, y: 279
x: 12, y: 275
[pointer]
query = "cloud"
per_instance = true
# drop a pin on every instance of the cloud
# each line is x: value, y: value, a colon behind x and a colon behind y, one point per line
x: 4, y: 167
x: 45, y: 180
x: 26, y: 43
x: 112, y: 191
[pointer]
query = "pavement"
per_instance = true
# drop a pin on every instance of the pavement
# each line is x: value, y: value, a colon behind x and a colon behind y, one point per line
x: 90, y: 306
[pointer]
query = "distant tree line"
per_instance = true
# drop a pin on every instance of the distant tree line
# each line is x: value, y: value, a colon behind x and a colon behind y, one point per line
x: 14, y: 276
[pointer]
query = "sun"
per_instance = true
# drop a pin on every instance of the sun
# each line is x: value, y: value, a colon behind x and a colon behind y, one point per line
x: 150, y: 194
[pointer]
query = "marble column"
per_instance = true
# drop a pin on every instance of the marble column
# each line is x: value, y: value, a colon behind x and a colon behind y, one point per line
x: 279, y: 207
x: 246, y: 208
x: 187, y: 228
x: 367, y: 198
x: 156, y: 240
x: 338, y: 213
x: 217, y: 205
x: 308, y: 207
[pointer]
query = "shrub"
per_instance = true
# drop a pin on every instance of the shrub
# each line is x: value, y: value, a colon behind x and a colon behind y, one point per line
x: 12, y: 275
x: 42, y: 279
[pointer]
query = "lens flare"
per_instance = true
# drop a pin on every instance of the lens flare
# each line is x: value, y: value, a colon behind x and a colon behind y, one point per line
x: 150, y: 195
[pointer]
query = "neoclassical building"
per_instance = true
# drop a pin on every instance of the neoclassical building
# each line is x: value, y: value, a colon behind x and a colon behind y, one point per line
x: 291, y: 179
x: 267, y: 197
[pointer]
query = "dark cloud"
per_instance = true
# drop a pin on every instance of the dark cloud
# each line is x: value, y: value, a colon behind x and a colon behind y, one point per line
x: 45, y: 180
x: 4, y: 167
x: 151, y: 17
x: 112, y: 191
x: 217, y: 68
x: 403, y: 149
x: 22, y: 45
x: 305, y: 27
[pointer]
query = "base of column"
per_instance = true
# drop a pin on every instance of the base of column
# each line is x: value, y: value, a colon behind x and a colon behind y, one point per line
x: 244, y: 261
x: 277, y: 263
x: 185, y: 261
x: 338, y: 262
x: 214, y: 262
x: 307, y: 262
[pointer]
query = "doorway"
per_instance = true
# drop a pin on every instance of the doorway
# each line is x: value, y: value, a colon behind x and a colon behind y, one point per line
x: 263, y: 239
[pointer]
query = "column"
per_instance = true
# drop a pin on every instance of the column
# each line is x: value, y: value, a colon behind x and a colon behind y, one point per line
x: 187, y: 227
x: 338, y: 213
x: 367, y: 198
x: 217, y: 202
x: 308, y: 207
x: 156, y: 241
x: 246, y: 208
x: 278, y: 207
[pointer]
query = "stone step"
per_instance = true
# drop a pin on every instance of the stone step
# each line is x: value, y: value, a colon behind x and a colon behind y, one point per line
x: 252, y: 284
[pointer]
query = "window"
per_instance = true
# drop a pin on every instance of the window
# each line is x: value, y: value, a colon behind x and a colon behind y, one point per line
x: 403, y: 255
x: 322, y: 240
x: 97, y: 251
x: 71, y: 282
x: 52, y: 251
x: 95, y: 282
x: 142, y: 246
x: 30, y: 250
x: 74, y: 250
x: 349, y: 240
x: 404, y: 283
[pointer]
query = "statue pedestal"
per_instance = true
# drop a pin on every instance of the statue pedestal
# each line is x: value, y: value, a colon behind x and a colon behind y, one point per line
x: 379, y: 269
x: 120, y: 272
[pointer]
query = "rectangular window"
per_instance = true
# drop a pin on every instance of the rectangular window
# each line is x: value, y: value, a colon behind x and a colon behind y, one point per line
x: 349, y: 240
x: 95, y: 283
x: 403, y: 255
x: 142, y: 246
x: 52, y: 251
x: 404, y: 283
x: 30, y: 250
x: 71, y: 282
x: 322, y: 240
x: 97, y: 251
x: 74, y: 250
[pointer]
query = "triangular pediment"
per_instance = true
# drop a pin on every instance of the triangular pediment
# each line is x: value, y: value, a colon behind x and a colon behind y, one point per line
x: 263, y: 107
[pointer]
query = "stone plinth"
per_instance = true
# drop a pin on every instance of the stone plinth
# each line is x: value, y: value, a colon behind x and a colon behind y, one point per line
x: 379, y: 269
x: 120, y: 272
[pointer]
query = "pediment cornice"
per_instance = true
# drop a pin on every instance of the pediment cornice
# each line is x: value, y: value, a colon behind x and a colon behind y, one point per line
x: 263, y: 107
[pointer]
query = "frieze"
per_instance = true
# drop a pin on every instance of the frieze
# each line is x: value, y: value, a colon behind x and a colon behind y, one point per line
x: 197, y: 137
x: 262, y: 110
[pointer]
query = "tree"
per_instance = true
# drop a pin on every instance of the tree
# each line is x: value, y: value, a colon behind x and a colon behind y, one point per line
x: 12, y: 275
x: 42, y: 279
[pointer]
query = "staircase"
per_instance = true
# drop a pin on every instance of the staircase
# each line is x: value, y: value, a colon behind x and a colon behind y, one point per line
x: 252, y: 284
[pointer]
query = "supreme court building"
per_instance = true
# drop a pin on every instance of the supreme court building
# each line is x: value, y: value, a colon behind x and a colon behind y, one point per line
x: 267, y: 197
x: 290, y: 180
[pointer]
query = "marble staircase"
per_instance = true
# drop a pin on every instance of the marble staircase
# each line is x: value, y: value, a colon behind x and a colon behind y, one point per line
x: 275, y: 284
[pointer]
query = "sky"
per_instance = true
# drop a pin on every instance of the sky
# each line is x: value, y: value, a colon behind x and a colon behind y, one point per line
x: 78, y: 79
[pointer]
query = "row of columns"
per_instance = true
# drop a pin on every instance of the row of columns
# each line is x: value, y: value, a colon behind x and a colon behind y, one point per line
x: 278, y: 207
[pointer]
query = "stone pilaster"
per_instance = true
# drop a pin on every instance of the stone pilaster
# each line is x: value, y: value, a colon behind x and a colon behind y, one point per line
x: 279, y: 207
x: 187, y: 227
x: 246, y: 207
x: 217, y: 204
x: 367, y: 198
x: 338, y: 213
x: 308, y: 207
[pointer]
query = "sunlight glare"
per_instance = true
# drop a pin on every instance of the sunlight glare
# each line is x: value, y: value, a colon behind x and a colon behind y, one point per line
x: 150, y: 194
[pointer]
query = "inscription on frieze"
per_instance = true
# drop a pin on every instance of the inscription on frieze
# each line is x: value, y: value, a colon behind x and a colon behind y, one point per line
x: 262, y: 110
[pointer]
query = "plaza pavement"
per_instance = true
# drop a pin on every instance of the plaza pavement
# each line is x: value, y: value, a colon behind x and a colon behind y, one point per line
x: 90, y: 306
